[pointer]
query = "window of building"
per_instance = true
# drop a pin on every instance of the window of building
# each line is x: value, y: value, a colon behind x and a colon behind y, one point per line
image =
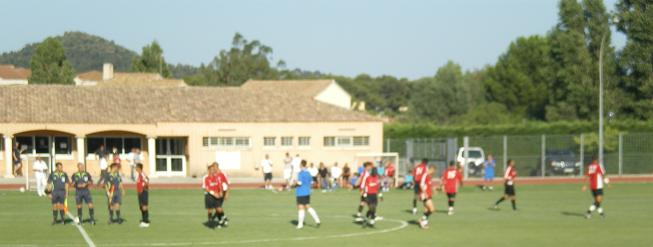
x: 62, y: 145
x: 361, y: 140
x: 304, y: 141
x: 122, y: 144
x: 329, y: 141
x: 225, y: 141
x: 346, y: 141
x: 269, y: 141
x: 286, y: 141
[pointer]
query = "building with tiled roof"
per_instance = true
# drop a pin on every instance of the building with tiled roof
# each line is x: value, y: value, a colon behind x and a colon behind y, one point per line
x: 10, y: 75
x: 180, y: 129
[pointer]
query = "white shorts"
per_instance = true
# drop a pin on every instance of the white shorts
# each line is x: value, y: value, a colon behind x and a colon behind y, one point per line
x: 287, y: 173
x: 103, y: 164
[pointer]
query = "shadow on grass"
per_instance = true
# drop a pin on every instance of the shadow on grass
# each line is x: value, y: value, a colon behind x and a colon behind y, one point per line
x: 573, y: 214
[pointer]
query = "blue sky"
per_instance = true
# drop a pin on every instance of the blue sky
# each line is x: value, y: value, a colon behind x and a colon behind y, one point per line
x: 401, y: 38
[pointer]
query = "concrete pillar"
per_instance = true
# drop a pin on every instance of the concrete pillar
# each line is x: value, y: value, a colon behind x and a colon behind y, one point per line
x: 151, y: 155
x: 8, y: 157
x: 81, y: 149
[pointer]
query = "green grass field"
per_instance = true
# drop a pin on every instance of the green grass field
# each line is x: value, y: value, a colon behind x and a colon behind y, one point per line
x: 549, y: 215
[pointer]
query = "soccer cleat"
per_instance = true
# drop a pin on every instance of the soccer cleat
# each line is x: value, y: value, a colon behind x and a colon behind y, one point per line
x: 299, y: 227
x: 588, y: 216
x: 358, y: 215
x: 92, y: 222
x: 54, y: 222
x: 377, y: 218
x: 424, y: 224
x: 414, y: 211
x: 359, y: 219
x: 120, y: 221
x: 371, y: 222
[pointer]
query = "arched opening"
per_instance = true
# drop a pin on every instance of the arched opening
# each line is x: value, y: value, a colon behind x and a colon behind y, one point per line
x: 50, y: 146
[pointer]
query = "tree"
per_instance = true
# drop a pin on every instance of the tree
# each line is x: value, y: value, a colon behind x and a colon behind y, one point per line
x: 49, y: 64
x: 151, y: 60
x: 442, y: 97
x: 635, y: 19
x: 573, y: 91
x: 243, y: 61
x: 521, y: 76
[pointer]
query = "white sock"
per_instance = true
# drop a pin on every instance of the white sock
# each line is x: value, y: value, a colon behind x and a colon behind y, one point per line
x: 314, y: 215
x: 600, y: 210
x: 592, y: 208
x: 300, y: 218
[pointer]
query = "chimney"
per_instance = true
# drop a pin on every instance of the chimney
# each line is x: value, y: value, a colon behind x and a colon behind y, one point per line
x: 107, y: 71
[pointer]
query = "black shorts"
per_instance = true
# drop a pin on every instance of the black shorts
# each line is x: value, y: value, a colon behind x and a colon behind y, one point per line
x: 267, y: 176
x: 451, y: 196
x: 210, y: 201
x: 303, y: 200
x: 117, y: 197
x: 83, y: 196
x: 143, y: 198
x: 363, y: 199
x: 597, y: 192
x: 509, y: 189
x: 372, y: 200
x: 58, y: 196
x: 416, y: 188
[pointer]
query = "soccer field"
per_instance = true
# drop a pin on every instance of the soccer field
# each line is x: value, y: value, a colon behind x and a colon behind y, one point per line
x: 549, y: 215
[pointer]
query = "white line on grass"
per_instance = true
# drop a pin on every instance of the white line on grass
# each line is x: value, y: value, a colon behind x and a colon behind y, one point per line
x: 402, y: 225
x: 83, y: 232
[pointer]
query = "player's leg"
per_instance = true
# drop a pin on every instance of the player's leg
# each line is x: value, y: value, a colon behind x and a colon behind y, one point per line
x: 313, y: 214
x: 300, y: 215
x: 513, y: 198
x: 415, y: 196
x: 371, y: 209
x: 599, y: 200
x: 359, y: 212
x: 55, y: 211
x: 428, y: 210
x: 79, y: 203
x: 91, y: 210
x: 451, y: 197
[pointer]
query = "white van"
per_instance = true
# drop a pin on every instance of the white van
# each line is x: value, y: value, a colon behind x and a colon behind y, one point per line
x: 475, y: 159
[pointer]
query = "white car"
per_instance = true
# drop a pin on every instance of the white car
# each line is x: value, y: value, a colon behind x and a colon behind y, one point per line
x: 475, y: 159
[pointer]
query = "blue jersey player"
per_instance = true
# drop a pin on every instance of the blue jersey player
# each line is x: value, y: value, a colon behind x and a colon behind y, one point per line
x: 303, y: 193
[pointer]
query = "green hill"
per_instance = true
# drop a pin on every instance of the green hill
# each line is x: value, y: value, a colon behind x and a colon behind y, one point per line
x: 84, y: 51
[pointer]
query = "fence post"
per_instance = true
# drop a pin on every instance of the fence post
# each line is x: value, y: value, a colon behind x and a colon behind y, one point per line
x: 543, y: 158
x: 466, y: 156
x: 387, y: 145
x: 582, y: 154
x: 621, y: 153
x: 505, y: 152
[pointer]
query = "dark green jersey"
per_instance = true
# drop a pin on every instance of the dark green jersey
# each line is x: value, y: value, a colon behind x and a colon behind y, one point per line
x: 59, y: 180
x: 81, y: 180
x: 114, y: 180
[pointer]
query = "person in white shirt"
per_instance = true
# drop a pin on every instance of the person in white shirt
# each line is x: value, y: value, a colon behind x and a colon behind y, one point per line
x: 287, y: 170
x: 312, y: 169
x: 296, y: 162
x: 266, y: 167
x: 336, y: 172
x: 40, y: 174
x: 133, y: 158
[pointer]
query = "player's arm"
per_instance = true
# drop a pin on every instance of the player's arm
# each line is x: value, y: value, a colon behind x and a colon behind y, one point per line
x: 460, y: 179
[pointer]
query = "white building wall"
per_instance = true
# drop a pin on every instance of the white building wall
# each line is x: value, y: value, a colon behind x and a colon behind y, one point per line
x: 335, y: 95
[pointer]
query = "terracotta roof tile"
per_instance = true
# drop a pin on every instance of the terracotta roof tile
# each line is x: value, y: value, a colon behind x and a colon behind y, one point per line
x: 8, y: 71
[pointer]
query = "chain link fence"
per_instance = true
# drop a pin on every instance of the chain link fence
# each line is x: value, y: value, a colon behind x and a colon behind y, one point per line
x: 534, y: 155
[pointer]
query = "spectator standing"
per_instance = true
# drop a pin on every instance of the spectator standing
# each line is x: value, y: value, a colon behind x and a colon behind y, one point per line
x: 287, y: 170
x: 323, y: 173
x: 101, y: 155
x: 266, y: 167
x: 389, y: 176
x: 17, y: 160
x: 133, y: 158
x: 40, y: 174
x: 346, y: 174
x: 313, y: 171
x: 336, y: 173
x: 489, y: 166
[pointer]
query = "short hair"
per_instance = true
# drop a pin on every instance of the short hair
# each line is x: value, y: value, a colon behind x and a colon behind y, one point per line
x: 58, y: 164
x: 374, y: 172
x: 114, y: 165
x: 425, y: 160
x: 367, y: 163
x: 509, y: 161
x: 452, y: 163
x: 80, y: 164
x: 139, y: 166
x: 303, y: 163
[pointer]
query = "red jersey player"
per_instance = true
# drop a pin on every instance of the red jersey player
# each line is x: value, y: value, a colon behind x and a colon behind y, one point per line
x: 224, y: 188
x: 360, y: 183
x: 596, y: 177
x: 509, y: 184
x: 212, y: 191
x: 142, y: 187
x: 451, y: 178
x: 418, y: 171
x: 425, y: 195
x: 372, y: 195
